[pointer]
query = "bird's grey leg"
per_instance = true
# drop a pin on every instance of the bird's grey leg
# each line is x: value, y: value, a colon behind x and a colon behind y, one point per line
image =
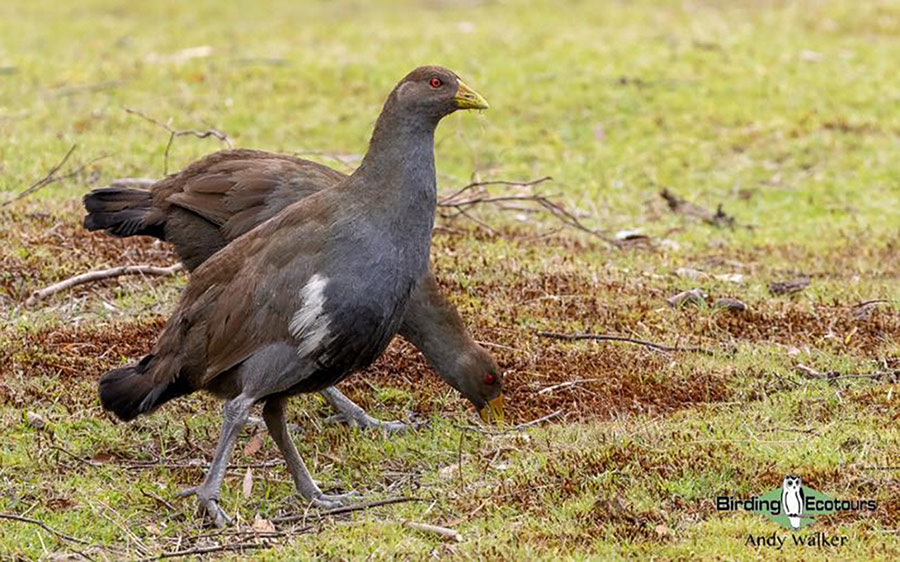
x: 354, y: 416
x: 273, y: 415
x: 235, y: 415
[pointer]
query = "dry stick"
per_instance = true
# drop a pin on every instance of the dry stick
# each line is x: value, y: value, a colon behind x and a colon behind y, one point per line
x: 679, y: 205
x: 607, y: 337
x: 158, y: 499
x: 444, y: 532
x: 540, y: 420
x: 566, y: 385
x: 809, y: 372
x: 475, y: 184
x: 520, y: 427
x: 101, y: 274
x: 51, y: 176
x: 149, y: 465
x: 47, y: 179
x: 566, y: 217
x: 344, y: 509
x: 215, y: 133
x: 208, y: 549
x: 478, y: 221
x: 231, y: 546
x: 84, y: 461
x: 43, y: 526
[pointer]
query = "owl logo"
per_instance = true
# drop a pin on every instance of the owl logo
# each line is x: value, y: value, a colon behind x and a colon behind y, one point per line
x: 792, y: 499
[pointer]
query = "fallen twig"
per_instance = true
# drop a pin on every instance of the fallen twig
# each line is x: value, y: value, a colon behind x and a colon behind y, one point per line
x: 158, y: 500
x: 832, y: 376
x: 252, y: 534
x: 453, y: 201
x: 793, y: 430
x: 51, y: 176
x: 69, y: 453
x: 231, y: 547
x: 683, y: 207
x: 215, y: 133
x: 540, y: 420
x: 443, y: 532
x: 43, y: 526
x: 342, y: 510
x: 607, y: 337
x: 557, y: 211
x: 99, y: 275
x: 550, y: 389
x: 201, y: 464
x: 474, y: 184
x: 520, y: 427
x: 788, y: 287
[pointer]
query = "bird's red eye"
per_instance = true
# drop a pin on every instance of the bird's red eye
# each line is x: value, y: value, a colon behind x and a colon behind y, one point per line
x: 436, y: 83
x: 489, y: 379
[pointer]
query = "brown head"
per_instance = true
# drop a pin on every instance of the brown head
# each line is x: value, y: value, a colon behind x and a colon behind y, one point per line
x: 477, y: 377
x: 432, y: 92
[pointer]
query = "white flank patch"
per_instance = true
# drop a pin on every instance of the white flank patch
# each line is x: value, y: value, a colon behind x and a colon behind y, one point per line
x: 310, y: 323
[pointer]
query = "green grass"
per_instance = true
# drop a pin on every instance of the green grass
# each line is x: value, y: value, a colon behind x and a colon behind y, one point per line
x: 783, y: 112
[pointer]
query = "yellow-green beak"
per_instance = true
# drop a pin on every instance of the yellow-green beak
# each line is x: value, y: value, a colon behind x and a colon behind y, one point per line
x: 467, y: 98
x: 493, y: 412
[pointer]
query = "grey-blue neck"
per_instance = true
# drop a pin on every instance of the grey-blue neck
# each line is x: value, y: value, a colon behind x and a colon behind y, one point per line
x: 400, y: 164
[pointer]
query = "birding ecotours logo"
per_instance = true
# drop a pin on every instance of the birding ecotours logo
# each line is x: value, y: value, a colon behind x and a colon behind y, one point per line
x: 792, y: 500
x: 793, y: 505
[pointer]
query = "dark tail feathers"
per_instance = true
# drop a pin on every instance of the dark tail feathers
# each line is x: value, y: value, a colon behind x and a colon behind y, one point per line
x: 128, y: 391
x: 122, y: 211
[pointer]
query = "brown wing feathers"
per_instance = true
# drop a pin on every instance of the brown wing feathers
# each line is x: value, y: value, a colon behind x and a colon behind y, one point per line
x: 209, y: 203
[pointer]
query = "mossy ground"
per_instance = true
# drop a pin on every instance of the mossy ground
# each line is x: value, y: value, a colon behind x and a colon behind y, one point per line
x: 783, y: 112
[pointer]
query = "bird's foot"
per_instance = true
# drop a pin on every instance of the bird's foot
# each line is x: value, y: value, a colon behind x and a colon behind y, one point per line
x: 362, y: 420
x: 209, y: 501
x: 332, y: 501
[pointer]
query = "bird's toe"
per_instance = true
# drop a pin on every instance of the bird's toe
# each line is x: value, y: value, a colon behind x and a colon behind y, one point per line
x: 332, y: 501
x: 188, y: 492
x: 216, y: 514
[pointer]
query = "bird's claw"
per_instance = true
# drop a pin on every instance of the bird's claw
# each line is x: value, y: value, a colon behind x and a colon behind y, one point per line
x: 332, y: 501
x: 365, y: 421
x: 209, y: 503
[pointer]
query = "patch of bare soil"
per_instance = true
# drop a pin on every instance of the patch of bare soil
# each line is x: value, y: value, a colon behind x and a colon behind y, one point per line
x: 40, y: 247
x: 507, y: 301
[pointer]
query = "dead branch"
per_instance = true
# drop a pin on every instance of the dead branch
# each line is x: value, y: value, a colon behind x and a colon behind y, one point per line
x: 443, y: 532
x: 475, y: 184
x: 158, y: 499
x: 51, y: 176
x: 201, y: 464
x: 230, y: 547
x: 683, y: 207
x: 575, y: 382
x: 519, y: 427
x: 253, y: 543
x: 215, y: 133
x: 461, y: 206
x: 832, y: 376
x: 789, y: 287
x: 43, y: 526
x: 538, y: 421
x: 99, y: 275
x: 623, y: 339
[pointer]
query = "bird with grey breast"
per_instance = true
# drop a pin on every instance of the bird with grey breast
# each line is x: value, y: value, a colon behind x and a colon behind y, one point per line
x: 200, y: 209
x: 308, y: 297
